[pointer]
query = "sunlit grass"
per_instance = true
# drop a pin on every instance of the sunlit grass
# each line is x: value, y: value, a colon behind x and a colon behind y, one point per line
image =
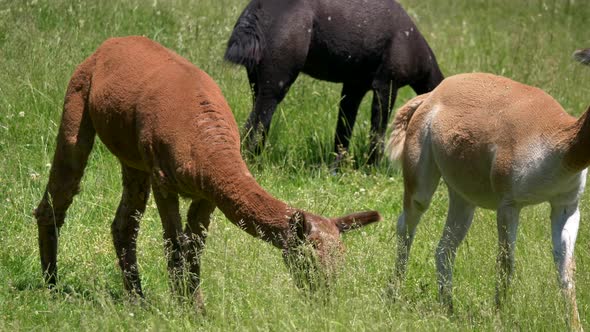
x: 245, y: 283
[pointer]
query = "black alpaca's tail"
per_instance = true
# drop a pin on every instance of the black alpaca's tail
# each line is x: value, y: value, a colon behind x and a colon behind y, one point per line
x: 246, y: 43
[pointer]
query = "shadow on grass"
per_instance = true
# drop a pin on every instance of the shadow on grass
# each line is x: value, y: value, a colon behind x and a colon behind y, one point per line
x: 74, y: 291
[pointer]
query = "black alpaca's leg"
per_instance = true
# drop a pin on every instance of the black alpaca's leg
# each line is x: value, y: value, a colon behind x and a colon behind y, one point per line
x: 351, y: 97
x: 125, y: 226
x: 270, y: 87
x: 258, y: 123
x: 252, y: 79
x: 385, y: 92
x: 273, y: 75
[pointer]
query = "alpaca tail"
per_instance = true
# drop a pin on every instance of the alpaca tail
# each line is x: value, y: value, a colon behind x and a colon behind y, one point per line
x: 582, y: 56
x: 395, y: 145
x: 246, y: 44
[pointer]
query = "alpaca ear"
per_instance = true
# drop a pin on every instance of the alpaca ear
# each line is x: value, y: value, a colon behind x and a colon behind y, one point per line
x: 356, y: 220
x: 298, y: 226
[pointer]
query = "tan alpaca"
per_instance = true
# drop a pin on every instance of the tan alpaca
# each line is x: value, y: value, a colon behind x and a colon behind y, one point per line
x: 498, y: 144
x: 170, y: 127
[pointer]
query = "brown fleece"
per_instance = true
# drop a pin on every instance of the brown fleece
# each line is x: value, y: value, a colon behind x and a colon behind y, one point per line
x: 171, y: 128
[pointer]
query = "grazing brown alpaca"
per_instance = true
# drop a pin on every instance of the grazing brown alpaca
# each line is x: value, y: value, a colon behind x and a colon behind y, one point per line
x: 170, y: 127
x: 500, y: 145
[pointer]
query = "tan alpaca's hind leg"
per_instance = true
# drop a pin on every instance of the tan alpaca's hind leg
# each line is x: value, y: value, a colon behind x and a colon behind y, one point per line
x: 384, y: 94
x: 507, y: 217
x: 198, y: 219
x: 125, y: 226
x: 421, y: 178
x: 74, y: 143
x: 459, y: 219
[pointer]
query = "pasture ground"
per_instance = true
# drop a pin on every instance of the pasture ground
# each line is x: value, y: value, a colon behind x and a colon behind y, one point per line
x: 245, y: 283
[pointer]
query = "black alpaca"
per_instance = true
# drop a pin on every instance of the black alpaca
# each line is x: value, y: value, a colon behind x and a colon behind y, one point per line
x: 365, y: 44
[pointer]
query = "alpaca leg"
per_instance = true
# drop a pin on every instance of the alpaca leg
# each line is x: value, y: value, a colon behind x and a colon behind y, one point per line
x: 384, y: 96
x: 174, y: 240
x: 198, y: 219
x: 421, y: 177
x: 125, y: 226
x: 352, y: 95
x: 74, y: 143
x: 270, y: 86
x: 565, y: 221
x: 507, y: 224
x: 252, y: 79
x: 405, y: 232
x: 271, y: 78
x: 458, y: 222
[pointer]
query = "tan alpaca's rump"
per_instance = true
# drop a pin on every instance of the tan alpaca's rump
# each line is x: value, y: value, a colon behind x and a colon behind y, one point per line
x: 399, y: 126
x: 497, y: 144
x: 174, y: 134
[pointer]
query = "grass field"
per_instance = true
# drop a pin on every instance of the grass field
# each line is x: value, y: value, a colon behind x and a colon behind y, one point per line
x: 245, y: 283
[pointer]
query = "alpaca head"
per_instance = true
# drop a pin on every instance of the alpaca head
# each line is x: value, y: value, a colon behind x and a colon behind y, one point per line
x: 314, y: 249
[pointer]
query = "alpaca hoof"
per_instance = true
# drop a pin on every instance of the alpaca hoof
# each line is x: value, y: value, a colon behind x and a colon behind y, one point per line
x: 199, y: 304
x: 391, y: 293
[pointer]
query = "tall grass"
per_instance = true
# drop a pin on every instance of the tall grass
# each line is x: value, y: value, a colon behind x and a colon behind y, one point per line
x: 245, y: 284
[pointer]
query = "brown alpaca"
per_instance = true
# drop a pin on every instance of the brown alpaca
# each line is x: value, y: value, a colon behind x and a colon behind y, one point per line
x: 501, y: 145
x: 170, y: 127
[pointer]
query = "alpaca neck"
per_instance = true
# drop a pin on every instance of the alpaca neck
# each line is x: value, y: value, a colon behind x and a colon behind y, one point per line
x: 432, y: 77
x: 221, y: 175
x: 250, y: 207
x: 577, y: 156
